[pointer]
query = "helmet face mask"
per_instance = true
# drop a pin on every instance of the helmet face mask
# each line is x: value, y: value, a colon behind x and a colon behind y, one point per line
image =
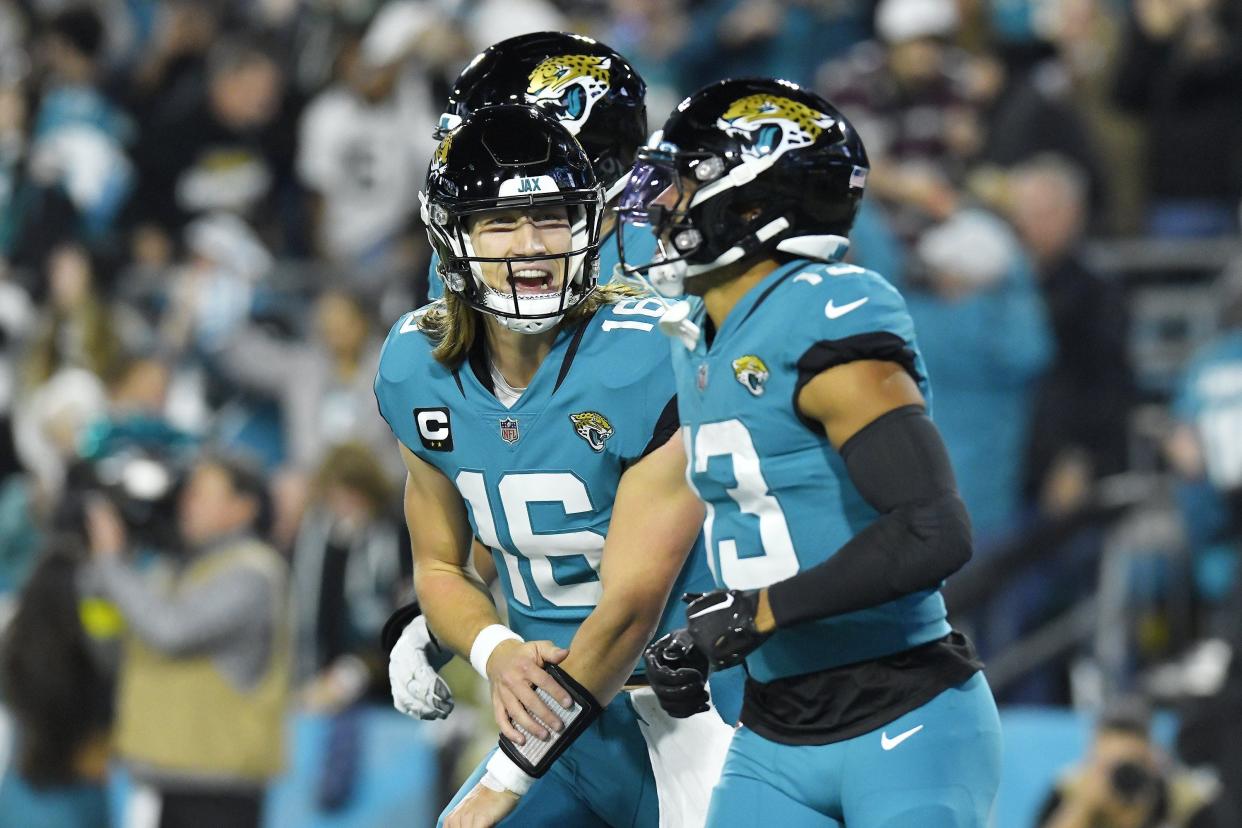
x: 658, y: 196
x: 741, y: 170
x: 507, y: 167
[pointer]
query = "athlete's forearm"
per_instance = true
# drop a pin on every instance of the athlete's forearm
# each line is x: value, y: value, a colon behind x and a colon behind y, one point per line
x: 457, y: 607
x: 655, y: 520
x: 610, y: 641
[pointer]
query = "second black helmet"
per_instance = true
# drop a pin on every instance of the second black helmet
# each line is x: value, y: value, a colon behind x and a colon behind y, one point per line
x: 591, y: 89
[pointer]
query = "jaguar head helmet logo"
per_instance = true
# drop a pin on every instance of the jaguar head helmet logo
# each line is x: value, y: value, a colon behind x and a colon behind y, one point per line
x: 569, y: 86
x: 773, y: 124
x: 751, y: 372
x: 440, y: 158
x: 592, y: 427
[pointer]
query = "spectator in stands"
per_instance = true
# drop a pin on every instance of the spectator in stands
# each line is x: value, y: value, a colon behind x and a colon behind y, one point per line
x: 76, y: 329
x: 1078, y: 432
x: 985, y: 337
x: 769, y: 38
x: 60, y: 693
x: 220, y: 148
x: 75, y: 351
x: 1128, y: 782
x: 323, y: 383
x: 173, y: 61
x: 205, y: 673
x: 215, y: 288
x: 349, y: 563
x: 1030, y: 112
x: 908, y: 94
x: 1181, y: 72
x: 79, y: 136
x: 1205, y: 447
x: 364, y: 145
x: 651, y: 34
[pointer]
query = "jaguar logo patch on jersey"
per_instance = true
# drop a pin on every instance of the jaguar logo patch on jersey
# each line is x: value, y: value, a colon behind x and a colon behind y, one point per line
x: 592, y: 427
x: 509, y: 430
x: 751, y: 372
x: 568, y: 86
x: 773, y: 124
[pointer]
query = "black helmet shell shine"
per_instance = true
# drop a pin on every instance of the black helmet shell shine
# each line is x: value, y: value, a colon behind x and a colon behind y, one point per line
x: 591, y: 89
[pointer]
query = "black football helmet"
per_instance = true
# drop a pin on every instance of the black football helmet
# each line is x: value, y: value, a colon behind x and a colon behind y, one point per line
x: 512, y: 156
x: 744, y: 167
x: 588, y: 87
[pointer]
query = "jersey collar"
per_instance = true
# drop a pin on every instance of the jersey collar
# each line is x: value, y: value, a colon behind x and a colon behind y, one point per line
x: 756, y: 296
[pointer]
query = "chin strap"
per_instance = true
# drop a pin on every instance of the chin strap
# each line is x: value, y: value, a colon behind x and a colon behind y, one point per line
x: 735, y: 253
x: 676, y: 323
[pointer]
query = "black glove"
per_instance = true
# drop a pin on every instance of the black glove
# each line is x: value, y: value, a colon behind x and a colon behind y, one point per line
x: 722, y: 624
x: 677, y: 671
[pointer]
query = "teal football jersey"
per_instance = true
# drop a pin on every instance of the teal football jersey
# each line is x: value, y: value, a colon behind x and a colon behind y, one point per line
x: 778, y: 497
x: 539, y: 478
x: 640, y: 246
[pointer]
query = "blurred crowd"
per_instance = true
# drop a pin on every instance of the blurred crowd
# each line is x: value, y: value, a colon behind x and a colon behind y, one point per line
x: 209, y: 218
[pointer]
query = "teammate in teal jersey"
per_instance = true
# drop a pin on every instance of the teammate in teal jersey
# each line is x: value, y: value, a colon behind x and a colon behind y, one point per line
x: 832, y: 513
x: 591, y: 89
x: 531, y: 406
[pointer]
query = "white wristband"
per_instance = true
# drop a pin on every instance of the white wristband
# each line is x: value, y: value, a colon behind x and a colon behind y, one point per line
x: 486, y: 641
x: 502, y: 774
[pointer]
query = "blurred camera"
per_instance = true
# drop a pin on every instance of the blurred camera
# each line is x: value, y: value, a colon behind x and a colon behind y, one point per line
x: 139, y: 468
x: 1131, y: 781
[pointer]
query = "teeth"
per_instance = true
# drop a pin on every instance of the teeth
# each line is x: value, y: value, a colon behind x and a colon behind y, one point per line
x: 530, y: 274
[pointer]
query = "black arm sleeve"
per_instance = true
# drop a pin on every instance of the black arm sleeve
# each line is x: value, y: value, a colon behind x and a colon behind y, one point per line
x: 922, y: 535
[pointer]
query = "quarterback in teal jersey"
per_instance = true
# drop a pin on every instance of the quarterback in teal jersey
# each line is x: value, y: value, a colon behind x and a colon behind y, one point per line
x: 531, y: 406
x: 592, y: 90
x: 832, y: 515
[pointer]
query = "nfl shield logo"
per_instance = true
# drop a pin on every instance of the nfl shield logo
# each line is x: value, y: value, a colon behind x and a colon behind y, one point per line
x: 509, y: 430
x: 702, y: 378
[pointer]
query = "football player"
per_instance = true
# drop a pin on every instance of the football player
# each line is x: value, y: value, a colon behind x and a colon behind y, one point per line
x: 599, y: 98
x: 832, y: 512
x: 594, y: 92
x: 521, y: 427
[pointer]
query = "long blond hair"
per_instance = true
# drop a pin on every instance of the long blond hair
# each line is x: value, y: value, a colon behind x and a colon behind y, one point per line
x: 453, y: 324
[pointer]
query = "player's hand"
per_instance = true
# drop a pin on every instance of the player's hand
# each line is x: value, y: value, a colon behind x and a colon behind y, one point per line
x: 417, y: 689
x: 722, y: 624
x: 105, y: 529
x: 677, y: 671
x: 481, y: 808
x: 515, y: 669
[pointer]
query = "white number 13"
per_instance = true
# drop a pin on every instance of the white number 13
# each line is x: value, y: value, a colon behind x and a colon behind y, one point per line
x: 752, y: 496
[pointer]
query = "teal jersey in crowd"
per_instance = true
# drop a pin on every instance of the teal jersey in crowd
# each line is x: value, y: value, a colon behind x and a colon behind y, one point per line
x: 640, y: 247
x: 539, y: 478
x: 1210, y: 399
x: 778, y: 497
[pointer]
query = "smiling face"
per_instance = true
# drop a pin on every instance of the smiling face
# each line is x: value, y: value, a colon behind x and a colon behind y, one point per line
x: 515, y: 233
